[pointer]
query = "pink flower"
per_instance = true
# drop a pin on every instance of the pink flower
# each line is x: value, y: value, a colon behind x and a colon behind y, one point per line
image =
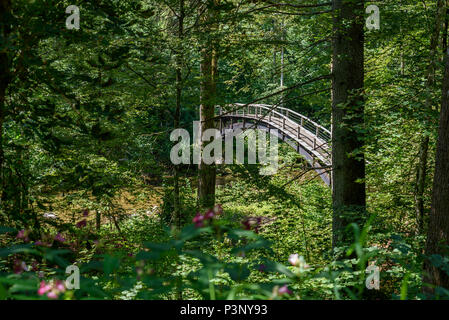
x: 294, y: 259
x: 52, y: 295
x: 199, y: 220
x: 23, y: 234
x: 59, y: 238
x: 252, y: 223
x: 52, y: 289
x: 81, y: 224
x: 298, y: 261
x: 209, y: 215
x: 43, y: 288
x: 59, y: 285
x: 19, y: 266
x: 284, y: 290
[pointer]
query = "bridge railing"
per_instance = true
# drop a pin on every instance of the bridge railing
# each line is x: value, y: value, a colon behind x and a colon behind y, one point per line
x: 317, y: 137
x: 321, y: 132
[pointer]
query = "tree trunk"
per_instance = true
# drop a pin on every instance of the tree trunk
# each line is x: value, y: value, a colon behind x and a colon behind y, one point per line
x: 179, y: 62
x: 177, y: 218
x: 209, y: 76
x: 421, y: 181
x: 5, y: 77
x: 349, y: 195
x: 438, y: 232
x: 3, y: 86
x: 421, y: 171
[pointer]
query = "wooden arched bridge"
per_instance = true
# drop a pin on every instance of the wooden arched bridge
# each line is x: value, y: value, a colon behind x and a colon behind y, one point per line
x: 307, y: 137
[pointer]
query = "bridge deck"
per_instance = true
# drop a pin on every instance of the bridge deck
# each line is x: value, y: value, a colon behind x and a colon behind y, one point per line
x: 313, y: 139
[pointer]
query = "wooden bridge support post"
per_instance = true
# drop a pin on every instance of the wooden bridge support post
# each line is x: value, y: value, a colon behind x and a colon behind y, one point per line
x: 283, y: 129
x: 220, y: 124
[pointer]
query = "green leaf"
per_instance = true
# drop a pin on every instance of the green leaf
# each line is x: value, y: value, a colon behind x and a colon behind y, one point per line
x: 3, y: 292
x: 4, y: 230
x: 259, y: 244
x: 190, y: 232
x: 237, y: 272
x: 277, y: 267
x: 238, y: 234
x: 21, y: 248
x: 110, y: 264
x: 148, y: 255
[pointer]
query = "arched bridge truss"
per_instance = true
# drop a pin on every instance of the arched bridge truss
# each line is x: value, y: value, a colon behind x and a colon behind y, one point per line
x: 307, y: 137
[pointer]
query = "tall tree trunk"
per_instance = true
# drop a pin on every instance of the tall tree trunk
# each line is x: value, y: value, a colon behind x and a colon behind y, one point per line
x: 209, y: 76
x: 420, y: 186
x: 177, y: 218
x: 438, y: 232
x: 179, y: 62
x: 421, y: 171
x: 5, y: 76
x: 349, y: 195
x: 3, y: 86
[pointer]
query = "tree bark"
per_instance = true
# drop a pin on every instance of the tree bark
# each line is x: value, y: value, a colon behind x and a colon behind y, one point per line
x: 177, y: 215
x: 179, y: 62
x: 349, y: 195
x: 420, y: 187
x: 421, y: 171
x: 5, y: 77
x: 209, y: 76
x: 438, y: 232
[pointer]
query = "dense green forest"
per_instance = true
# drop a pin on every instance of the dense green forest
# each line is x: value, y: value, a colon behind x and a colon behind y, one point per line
x: 105, y: 195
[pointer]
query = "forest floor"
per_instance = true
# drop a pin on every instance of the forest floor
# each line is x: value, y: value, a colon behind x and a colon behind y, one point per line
x: 295, y: 216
